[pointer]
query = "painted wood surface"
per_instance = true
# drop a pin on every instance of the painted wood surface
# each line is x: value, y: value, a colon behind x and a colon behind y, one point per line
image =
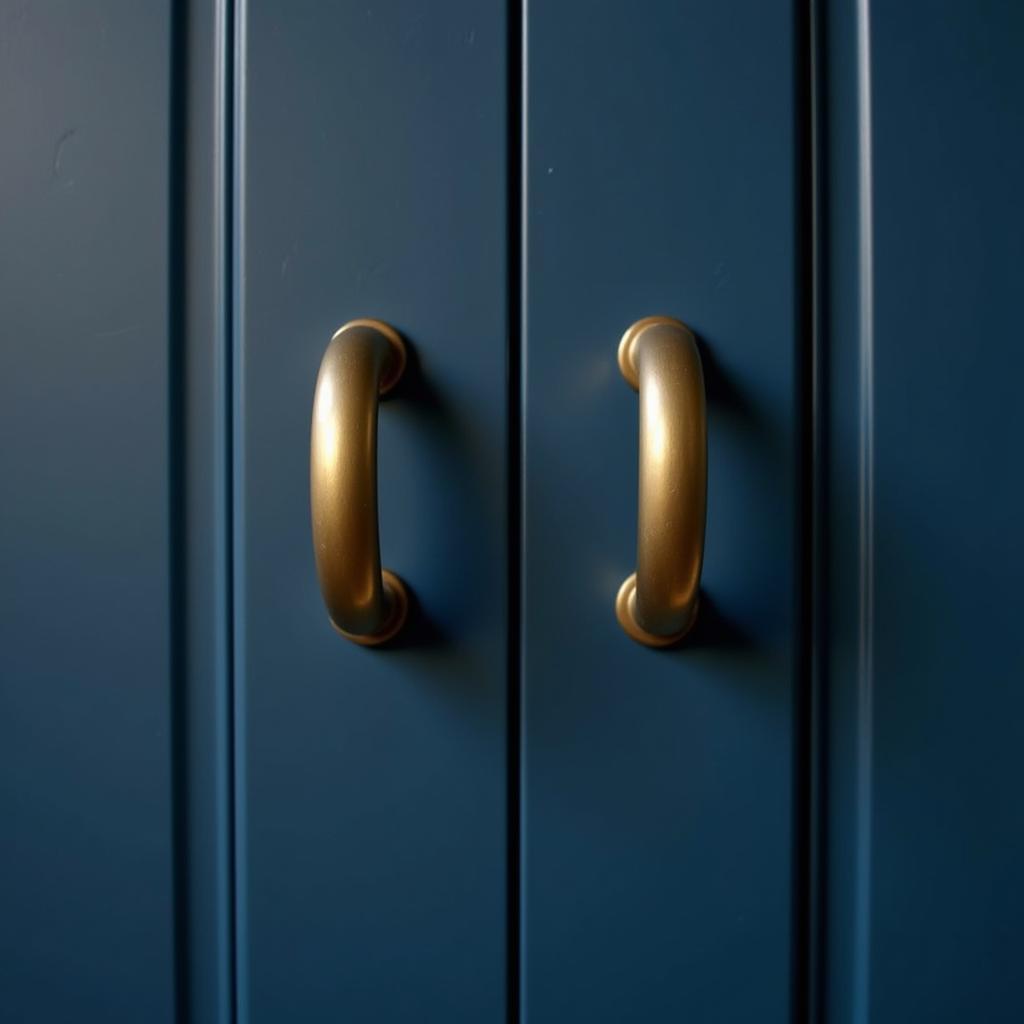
x: 216, y: 809
x: 371, y: 784
x: 87, y: 900
x: 925, y: 826
x: 658, y: 786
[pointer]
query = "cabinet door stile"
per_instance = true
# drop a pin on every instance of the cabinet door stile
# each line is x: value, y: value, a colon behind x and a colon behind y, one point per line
x: 657, y: 806
x: 372, y: 786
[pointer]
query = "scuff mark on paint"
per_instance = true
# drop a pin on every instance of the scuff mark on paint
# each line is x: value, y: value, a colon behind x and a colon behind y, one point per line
x: 58, y: 156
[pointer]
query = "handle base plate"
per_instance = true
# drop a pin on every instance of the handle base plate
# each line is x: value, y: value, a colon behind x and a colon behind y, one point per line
x: 627, y: 352
x: 397, y: 598
x: 625, y: 611
x: 395, y: 367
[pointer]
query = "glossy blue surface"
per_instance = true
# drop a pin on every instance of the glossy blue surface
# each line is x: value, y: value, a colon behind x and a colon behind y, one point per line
x: 925, y: 839
x: 657, y: 799
x: 371, y: 784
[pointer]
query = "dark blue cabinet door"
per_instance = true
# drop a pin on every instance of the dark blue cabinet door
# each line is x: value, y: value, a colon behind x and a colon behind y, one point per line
x: 657, y: 808
x: 371, y: 784
x: 924, y: 841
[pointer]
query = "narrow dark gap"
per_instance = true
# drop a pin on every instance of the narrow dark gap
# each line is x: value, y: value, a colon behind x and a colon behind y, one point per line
x: 227, y: 92
x: 178, y: 442
x: 514, y: 184
x: 818, y: 569
x: 806, y: 903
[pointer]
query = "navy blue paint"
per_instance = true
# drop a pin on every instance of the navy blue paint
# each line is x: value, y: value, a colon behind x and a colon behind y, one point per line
x: 376, y: 863
x: 925, y: 249
x: 840, y: 325
x: 202, y: 218
x: 812, y: 526
x: 372, y: 783
x: 515, y: 81
x: 658, y: 818
x: 86, y: 886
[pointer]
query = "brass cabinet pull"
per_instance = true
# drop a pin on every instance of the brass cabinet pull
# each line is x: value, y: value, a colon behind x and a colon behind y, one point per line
x: 657, y: 605
x: 364, y: 360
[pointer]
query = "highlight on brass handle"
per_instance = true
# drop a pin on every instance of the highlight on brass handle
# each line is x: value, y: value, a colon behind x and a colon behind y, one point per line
x: 657, y: 604
x: 364, y: 360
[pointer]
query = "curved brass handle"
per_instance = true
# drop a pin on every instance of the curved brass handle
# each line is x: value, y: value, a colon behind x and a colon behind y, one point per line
x: 364, y: 360
x: 657, y: 605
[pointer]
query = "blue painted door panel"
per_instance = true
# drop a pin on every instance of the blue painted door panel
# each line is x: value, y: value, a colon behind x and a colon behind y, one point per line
x: 86, y: 856
x: 371, y: 784
x: 925, y: 823
x: 657, y: 807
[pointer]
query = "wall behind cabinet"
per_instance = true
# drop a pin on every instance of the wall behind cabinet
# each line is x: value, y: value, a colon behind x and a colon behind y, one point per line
x: 86, y: 847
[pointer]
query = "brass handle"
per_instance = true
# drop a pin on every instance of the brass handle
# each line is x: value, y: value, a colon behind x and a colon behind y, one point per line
x: 364, y: 360
x: 657, y: 605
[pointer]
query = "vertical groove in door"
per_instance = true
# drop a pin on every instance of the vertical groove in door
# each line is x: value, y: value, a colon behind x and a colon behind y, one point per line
x: 816, y: 471
x: 809, y: 691
x: 176, y: 459
x: 866, y: 419
x: 226, y: 250
x: 516, y: 185
x: 235, y: 131
x: 199, y: 282
x: 845, y: 438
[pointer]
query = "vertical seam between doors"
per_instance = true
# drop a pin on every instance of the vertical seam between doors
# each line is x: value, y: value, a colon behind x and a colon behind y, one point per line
x: 804, y: 862
x: 226, y: 251
x: 865, y: 416
x: 812, y: 424
x: 515, y: 185
x: 177, y: 444
x: 234, y: 178
x: 808, y: 1004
